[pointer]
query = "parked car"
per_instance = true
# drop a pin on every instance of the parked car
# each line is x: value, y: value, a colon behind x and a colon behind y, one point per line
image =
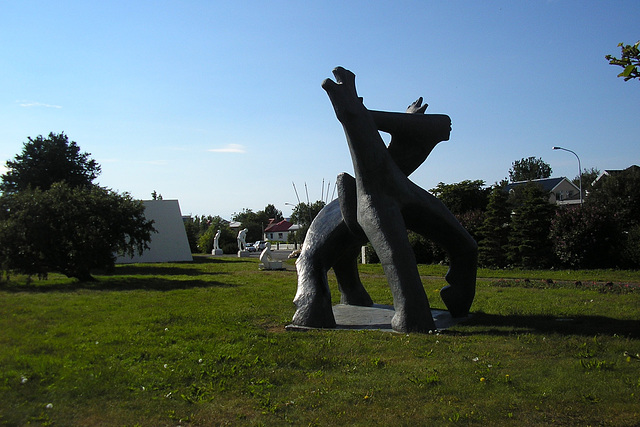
x: 250, y: 247
x: 260, y: 245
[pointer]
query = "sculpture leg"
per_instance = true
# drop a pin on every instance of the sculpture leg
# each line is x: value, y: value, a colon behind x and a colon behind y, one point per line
x: 313, y: 297
x: 352, y: 292
x: 388, y: 235
x: 429, y: 217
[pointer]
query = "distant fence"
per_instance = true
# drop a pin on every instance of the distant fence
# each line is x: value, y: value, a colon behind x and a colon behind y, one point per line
x: 284, y: 246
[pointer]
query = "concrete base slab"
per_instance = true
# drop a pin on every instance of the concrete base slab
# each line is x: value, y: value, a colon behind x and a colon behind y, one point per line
x: 378, y: 317
x: 271, y: 265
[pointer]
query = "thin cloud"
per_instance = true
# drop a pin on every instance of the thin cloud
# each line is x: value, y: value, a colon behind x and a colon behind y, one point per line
x: 37, y: 104
x: 230, y: 148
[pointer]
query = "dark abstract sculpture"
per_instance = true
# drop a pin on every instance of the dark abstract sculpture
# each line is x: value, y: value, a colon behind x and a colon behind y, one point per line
x: 379, y: 205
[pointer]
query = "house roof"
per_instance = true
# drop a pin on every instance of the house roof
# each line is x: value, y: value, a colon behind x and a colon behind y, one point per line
x: 547, y: 184
x: 281, y: 226
x: 609, y: 172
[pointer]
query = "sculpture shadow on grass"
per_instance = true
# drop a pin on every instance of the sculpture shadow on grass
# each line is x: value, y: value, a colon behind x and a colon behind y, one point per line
x: 496, y: 324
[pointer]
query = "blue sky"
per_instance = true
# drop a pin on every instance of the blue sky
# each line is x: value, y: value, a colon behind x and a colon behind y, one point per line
x: 218, y: 103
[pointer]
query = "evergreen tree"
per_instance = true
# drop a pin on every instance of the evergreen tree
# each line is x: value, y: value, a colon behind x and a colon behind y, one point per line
x: 494, y: 233
x: 529, y: 242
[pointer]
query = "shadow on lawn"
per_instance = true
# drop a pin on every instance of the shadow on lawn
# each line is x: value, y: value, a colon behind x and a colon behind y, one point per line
x: 121, y: 284
x: 537, y: 323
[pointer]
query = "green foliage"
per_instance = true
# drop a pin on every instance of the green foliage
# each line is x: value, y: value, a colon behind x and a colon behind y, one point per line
x: 45, y: 161
x: 619, y: 192
x: 631, y: 249
x: 462, y: 197
x: 256, y: 222
x: 191, y: 230
x: 588, y: 177
x: 586, y: 236
x: 528, y: 169
x: 213, y: 224
x: 629, y: 60
x: 425, y: 251
x: 70, y: 230
x: 494, y: 233
x: 529, y: 242
x: 304, y: 214
x: 272, y: 213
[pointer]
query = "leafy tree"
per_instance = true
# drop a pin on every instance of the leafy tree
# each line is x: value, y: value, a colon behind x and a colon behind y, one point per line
x: 304, y: 214
x: 629, y: 61
x: 631, y: 248
x: 588, y: 177
x: 45, y: 161
x: 191, y: 230
x: 494, y: 233
x: 462, y: 197
x: 69, y: 229
x: 586, y: 236
x: 425, y: 251
x: 619, y: 192
x: 271, y: 212
x: 255, y: 222
x: 227, y: 237
x: 529, y: 169
x: 529, y: 242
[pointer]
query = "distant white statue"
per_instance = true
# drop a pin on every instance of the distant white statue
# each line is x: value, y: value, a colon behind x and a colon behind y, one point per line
x: 242, y: 243
x: 216, y: 240
x: 216, y: 244
x: 266, y: 256
x: 267, y: 262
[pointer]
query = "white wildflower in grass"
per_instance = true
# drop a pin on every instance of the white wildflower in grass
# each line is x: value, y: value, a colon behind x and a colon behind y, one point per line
x: 165, y: 366
x: 49, y: 406
x: 23, y: 379
x: 200, y: 360
x: 475, y: 359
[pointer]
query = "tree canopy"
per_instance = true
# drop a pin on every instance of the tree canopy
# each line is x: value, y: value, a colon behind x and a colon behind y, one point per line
x: 462, y: 197
x: 45, y: 161
x: 528, y: 169
x: 305, y: 213
x: 70, y: 230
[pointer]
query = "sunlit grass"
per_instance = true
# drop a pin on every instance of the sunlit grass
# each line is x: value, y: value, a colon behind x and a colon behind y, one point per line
x: 204, y: 343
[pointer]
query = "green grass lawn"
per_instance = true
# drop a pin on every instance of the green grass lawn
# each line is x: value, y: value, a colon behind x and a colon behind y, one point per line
x: 204, y: 343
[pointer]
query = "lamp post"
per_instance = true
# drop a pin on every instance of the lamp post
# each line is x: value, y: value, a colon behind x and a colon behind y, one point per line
x: 579, y: 168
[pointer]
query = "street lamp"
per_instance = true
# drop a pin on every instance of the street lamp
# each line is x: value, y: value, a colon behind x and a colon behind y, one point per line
x: 579, y: 168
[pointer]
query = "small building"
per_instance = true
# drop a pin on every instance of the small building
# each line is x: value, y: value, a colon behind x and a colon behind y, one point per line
x: 279, y: 231
x: 561, y: 191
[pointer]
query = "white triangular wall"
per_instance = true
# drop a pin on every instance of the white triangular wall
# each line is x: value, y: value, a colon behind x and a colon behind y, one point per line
x: 170, y: 243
